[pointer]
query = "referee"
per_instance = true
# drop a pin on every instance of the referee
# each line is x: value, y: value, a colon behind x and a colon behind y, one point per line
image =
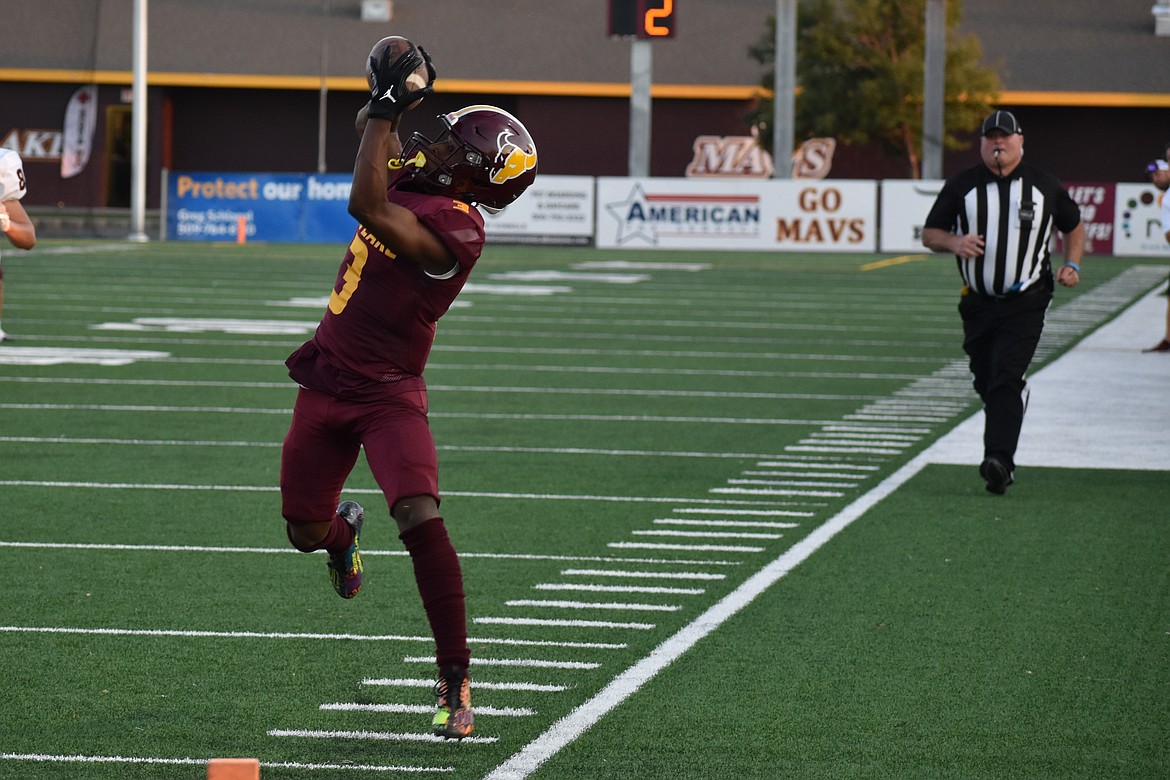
x: 998, y: 218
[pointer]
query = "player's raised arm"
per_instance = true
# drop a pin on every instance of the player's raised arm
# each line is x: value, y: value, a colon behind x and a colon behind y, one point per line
x: 400, y: 76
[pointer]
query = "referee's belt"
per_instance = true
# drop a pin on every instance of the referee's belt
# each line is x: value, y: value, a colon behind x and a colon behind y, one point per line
x: 1011, y: 294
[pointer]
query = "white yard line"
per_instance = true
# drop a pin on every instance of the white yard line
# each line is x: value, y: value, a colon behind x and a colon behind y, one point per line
x: 439, y: 388
x: 187, y: 634
x: 373, y: 491
x: 286, y: 411
x: 369, y: 552
x: 383, y: 736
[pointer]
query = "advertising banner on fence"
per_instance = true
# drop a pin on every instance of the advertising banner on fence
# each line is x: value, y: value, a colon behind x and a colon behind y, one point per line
x: 326, y: 202
x: 1096, y: 201
x: 905, y: 204
x: 1137, y: 222
x: 554, y: 210
x: 290, y: 207
x: 826, y: 215
x: 830, y: 215
x: 312, y: 208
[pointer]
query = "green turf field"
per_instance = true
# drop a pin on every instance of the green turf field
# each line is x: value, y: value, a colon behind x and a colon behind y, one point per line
x: 639, y: 455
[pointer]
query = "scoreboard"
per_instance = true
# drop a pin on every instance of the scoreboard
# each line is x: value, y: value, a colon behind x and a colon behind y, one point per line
x: 642, y: 18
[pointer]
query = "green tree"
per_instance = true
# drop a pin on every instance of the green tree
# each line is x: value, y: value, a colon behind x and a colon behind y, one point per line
x: 859, y: 70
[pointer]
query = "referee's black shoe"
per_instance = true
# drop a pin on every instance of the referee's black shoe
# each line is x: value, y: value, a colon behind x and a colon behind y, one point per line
x: 1161, y: 346
x: 996, y: 474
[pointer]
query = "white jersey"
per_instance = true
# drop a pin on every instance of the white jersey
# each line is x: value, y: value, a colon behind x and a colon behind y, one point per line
x: 12, y: 186
x: 1165, y: 213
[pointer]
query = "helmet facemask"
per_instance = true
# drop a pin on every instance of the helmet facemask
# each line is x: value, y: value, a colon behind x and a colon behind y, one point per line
x: 485, y: 156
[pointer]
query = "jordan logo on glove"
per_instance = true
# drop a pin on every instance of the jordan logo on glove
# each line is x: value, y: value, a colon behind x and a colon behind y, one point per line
x: 399, y: 75
x: 388, y: 94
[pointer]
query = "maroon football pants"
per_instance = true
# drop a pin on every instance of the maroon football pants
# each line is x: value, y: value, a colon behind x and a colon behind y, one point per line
x: 323, y: 442
x: 320, y: 451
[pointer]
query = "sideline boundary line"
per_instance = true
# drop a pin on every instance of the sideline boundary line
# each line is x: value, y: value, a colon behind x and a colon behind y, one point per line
x: 567, y: 729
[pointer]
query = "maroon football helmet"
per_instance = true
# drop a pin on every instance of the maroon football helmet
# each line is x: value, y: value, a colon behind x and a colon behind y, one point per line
x: 485, y: 156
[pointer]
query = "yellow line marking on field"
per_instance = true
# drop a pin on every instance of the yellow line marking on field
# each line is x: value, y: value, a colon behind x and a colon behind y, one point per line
x: 893, y: 261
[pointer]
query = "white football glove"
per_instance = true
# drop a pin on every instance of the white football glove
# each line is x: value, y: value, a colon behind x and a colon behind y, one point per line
x: 5, y: 220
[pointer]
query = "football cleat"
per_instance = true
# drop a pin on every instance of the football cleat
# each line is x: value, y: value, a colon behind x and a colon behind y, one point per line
x: 345, y: 566
x: 453, y: 718
x: 997, y: 476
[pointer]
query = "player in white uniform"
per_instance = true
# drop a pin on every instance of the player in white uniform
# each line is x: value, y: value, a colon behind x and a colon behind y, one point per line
x: 14, y: 221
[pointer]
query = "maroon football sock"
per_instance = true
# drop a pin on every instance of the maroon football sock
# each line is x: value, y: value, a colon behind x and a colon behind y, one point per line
x: 440, y: 583
x: 340, y: 536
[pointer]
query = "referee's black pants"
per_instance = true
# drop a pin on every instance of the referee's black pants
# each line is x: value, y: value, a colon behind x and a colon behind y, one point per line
x: 1000, y: 337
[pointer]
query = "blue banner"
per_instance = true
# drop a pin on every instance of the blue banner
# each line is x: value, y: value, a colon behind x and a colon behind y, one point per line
x: 278, y: 207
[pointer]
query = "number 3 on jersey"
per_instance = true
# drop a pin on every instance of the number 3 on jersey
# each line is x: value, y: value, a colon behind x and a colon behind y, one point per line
x: 353, y: 276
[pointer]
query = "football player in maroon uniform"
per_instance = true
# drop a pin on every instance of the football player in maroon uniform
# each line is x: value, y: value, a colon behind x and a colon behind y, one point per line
x: 360, y: 376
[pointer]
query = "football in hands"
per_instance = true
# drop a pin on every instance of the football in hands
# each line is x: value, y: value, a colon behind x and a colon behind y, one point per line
x: 397, y: 46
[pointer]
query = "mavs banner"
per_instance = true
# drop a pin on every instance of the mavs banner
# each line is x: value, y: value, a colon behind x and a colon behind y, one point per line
x: 793, y: 215
x: 276, y: 207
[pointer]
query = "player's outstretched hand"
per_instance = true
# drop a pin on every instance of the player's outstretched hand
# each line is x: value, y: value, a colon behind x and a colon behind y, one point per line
x: 400, y: 75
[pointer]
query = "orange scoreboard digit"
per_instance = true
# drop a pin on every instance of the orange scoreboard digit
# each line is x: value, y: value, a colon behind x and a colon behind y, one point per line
x: 642, y: 18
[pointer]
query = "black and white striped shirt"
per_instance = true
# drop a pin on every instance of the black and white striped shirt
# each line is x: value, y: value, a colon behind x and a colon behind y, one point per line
x: 1015, y: 215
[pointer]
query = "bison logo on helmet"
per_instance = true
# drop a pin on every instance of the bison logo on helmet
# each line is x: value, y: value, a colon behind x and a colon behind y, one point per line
x: 515, y: 159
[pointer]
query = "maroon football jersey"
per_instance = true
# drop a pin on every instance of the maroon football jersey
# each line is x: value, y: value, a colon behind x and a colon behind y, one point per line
x: 377, y: 332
